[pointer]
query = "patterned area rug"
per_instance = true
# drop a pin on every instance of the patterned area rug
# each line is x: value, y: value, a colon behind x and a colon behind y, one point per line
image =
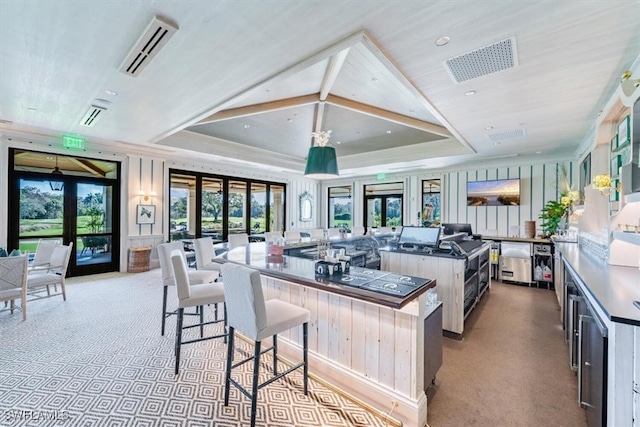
x: 98, y: 359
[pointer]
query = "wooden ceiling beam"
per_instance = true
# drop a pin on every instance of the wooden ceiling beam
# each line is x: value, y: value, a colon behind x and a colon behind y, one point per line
x: 266, y: 107
x: 88, y: 166
x: 388, y: 115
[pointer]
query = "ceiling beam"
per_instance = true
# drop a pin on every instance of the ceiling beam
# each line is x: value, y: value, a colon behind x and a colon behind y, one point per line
x: 388, y: 115
x: 333, y: 69
x: 319, y: 118
x: 265, y: 107
x: 88, y: 166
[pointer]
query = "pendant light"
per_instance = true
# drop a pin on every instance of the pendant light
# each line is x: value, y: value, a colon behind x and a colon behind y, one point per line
x: 56, y: 185
x: 321, y: 161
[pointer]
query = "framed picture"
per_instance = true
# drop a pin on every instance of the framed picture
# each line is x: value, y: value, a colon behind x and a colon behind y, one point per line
x: 585, y: 175
x: 613, y: 196
x: 615, y: 166
x: 625, y: 156
x: 624, y: 131
x: 146, y: 214
x: 614, y: 143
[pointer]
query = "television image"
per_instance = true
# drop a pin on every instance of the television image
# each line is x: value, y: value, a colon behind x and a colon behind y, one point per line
x: 427, y: 236
x: 453, y: 228
x: 499, y: 192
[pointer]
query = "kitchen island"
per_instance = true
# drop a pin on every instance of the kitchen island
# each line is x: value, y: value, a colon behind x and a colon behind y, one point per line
x: 368, y: 343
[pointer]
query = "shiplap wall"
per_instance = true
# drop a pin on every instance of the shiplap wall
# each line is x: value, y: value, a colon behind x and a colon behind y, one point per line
x: 538, y: 184
x: 295, y: 189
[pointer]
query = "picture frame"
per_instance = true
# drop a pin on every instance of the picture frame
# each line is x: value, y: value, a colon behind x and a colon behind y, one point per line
x: 624, y: 131
x: 614, y: 195
x: 585, y: 175
x: 615, y: 166
x: 625, y: 156
x: 146, y: 214
x: 614, y: 143
x: 305, y: 202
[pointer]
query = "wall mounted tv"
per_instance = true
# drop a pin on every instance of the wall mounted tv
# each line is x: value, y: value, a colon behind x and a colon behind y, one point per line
x: 499, y: 192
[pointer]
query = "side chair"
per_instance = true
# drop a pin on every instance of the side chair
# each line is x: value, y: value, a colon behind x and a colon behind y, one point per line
x: 13, y: 282
x: 54, y: 275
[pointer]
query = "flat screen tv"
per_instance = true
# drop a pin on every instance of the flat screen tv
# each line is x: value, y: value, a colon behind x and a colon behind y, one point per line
x: 498, y: 192
x: 453, y: 228
x: 428, y: 236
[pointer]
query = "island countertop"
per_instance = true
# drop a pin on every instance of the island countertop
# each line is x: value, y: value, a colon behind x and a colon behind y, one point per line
x: 613, y: 287
x: 302, y: 271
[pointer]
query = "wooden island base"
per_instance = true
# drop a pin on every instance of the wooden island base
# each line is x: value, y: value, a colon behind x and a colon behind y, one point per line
x: 371, y: 352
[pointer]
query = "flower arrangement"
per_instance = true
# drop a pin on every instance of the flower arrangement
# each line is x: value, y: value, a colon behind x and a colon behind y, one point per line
x: 602, y: 181
x: 322, y: 137
x: 554, y: 212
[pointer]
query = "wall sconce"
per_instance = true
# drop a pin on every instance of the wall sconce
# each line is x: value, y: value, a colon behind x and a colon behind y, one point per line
x: 628, y: 85
x: 602, y: 183
x: 146, y: 197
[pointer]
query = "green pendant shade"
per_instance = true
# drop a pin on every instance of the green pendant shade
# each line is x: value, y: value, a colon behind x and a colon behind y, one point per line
x: 321, y: 163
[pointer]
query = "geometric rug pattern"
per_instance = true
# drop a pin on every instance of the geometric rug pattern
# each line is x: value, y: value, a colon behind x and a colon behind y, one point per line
x: 98, y: 359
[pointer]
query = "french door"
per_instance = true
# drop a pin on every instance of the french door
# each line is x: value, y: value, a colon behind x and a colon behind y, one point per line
x: 67, y: 208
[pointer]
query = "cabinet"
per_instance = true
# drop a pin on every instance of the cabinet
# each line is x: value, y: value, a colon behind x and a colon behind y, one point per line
x: 587, y: 338
x: 433, y: 344
x: 460, y: 281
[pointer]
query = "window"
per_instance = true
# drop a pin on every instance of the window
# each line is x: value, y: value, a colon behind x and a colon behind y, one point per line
x: 340, y: 207
x: 203, y: 205
x: 384, y: 204
x: 431, y: 212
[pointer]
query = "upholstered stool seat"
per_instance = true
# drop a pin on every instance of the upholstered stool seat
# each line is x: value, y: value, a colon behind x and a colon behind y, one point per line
x: 258, y: 319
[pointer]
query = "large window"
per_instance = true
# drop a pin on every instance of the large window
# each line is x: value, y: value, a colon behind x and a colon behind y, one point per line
x: 340, y: 207
x: 383, y: 204
x: 215, y: 206
x: 431, y: 204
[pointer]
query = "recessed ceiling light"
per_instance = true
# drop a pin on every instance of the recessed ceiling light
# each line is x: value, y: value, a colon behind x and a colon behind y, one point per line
x: 374, y: 79
x: 538, y: 152
x: 442, y: 40
x: 338, y: 142
x: 412, y: 111
x: 388, y: 132
x: 111, y: 92
x: 247, y: 126
x: 470, y: 93
x: 497, y: 143
x: 289, y: 120
x: 31, y: 109
x: 488, y: 128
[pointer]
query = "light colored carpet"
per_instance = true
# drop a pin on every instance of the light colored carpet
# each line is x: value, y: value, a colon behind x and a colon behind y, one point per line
x: 98, y: 359
x: 510, y: 369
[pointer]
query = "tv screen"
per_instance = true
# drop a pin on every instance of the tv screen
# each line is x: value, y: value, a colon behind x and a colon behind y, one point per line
x: 499, y: 192
x: 457, y: 228
x: 429, y: 236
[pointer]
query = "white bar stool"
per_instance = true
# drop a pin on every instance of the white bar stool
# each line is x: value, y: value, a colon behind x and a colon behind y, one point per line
x: 258, y: 319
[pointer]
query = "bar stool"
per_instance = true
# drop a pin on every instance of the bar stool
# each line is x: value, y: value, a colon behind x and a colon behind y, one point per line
x: 205, y: 254
x: 258, y: 319
x: 194, y: 296
x: 195, y: 276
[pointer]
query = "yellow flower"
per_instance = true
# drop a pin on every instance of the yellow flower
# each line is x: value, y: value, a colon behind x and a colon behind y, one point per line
x: 602, y: 181
x: 566, y: 201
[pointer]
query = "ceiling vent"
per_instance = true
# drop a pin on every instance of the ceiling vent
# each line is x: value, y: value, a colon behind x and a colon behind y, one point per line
x: 157, y: 34
x: 508, y: 135
x: 92, y: 115
x: 484, y: 61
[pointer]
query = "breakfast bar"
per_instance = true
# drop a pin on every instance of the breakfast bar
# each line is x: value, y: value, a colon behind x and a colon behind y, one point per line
x: 366, y: 341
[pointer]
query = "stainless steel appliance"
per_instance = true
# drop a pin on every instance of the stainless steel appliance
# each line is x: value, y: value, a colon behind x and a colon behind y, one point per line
x: 515, y: 262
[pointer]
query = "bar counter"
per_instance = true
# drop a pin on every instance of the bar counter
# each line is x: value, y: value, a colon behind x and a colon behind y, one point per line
x: 613, y: 288
x: 302, y: 272
x: 370, y: 345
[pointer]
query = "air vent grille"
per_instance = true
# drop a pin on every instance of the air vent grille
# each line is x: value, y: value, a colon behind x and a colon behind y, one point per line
x: 157, y: 34
x: 484, y: 61
x: 508, y: 135
x: 92, y: 115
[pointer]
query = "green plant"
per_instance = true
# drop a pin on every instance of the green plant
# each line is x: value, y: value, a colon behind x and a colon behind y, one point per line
x: 551, y: 216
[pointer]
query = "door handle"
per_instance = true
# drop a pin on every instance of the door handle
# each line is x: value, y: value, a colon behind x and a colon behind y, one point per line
x: 581, y: 326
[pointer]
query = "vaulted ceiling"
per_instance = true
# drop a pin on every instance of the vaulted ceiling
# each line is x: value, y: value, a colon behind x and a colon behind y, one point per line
x: 249, y: 81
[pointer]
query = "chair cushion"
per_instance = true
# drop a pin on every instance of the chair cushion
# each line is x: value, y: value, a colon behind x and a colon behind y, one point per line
x: 197, y: 277
x: 207, y: 293
x: 282, y: 316
x: 39, y: 280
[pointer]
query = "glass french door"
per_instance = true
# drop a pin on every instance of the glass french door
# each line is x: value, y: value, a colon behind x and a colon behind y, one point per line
x: 383, y: 211
x: 81, y: 211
